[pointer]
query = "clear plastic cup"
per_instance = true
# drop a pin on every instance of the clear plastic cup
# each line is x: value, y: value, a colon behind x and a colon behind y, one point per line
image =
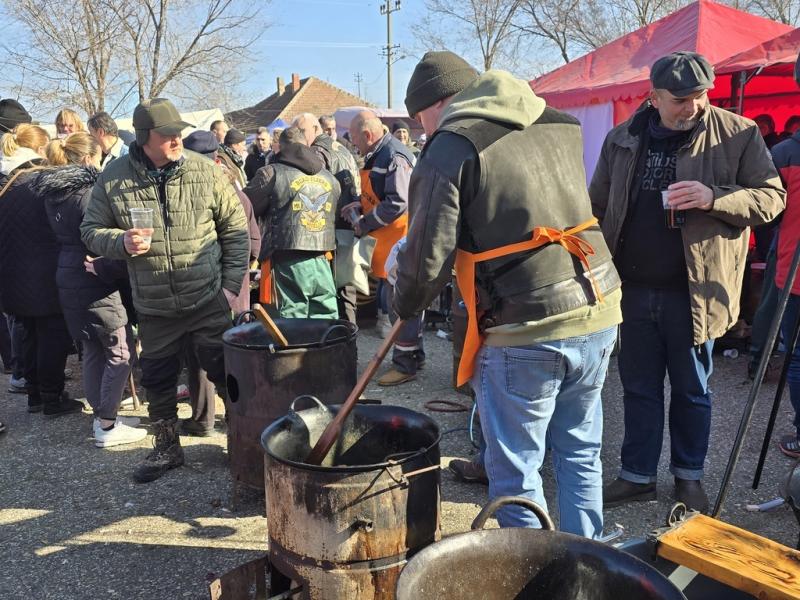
x: 673, y: 219
x: 142, y: 218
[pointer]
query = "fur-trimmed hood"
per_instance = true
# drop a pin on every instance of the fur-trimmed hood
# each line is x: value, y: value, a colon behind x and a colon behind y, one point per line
x: 57, y: 184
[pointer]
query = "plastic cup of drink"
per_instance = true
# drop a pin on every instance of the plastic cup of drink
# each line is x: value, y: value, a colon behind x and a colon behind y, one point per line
x: 142, y: 218
x: 673, y: 219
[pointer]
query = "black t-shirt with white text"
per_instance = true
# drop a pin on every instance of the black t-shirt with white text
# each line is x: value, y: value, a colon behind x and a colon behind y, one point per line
x: 650, y: 253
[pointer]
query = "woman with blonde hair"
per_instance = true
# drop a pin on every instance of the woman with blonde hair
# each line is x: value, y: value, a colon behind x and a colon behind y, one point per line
x: 23, y: 148
x: 28, y: 291
x: 90, y: 289
x: 68, y: 121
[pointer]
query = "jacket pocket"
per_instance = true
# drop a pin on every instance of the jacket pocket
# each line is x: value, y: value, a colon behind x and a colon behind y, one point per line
x: 532, y: 373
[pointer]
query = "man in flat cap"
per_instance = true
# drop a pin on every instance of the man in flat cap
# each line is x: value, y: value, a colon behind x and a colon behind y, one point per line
x: 499, y: 193
x: 185, y: 271
x: 676, y: 189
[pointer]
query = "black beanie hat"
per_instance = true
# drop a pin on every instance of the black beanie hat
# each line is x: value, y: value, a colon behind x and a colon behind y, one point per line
x: 438, y: 75
x: 234, y: 136
x: 12, y: 114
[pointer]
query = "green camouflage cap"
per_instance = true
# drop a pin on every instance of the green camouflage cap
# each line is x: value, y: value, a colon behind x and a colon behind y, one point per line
x: 682, y: 73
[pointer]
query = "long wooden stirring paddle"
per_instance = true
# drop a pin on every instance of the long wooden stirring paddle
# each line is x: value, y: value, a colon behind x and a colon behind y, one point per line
x: 267, y: 322
x: 334, y: 428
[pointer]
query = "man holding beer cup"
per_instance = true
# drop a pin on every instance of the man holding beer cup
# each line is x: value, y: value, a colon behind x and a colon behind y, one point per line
x: 676, y: 189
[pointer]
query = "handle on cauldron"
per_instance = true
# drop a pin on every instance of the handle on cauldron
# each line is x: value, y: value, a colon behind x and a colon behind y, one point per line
x: 491, y: 508
x: 333, y: 328
x: 240, y: 319
x: 309, y: 396
x: 334, y: 428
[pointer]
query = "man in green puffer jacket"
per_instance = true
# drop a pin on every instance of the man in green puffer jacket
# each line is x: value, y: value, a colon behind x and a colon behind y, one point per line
x: 184, y: 270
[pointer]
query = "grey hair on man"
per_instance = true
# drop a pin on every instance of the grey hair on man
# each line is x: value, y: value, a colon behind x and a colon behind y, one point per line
x: 103, y: 120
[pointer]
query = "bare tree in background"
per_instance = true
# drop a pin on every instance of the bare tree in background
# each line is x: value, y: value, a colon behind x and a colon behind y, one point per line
x: 102, y: 54
x: 68, y: 56
x: 484, y: 25
x: 785, y: 11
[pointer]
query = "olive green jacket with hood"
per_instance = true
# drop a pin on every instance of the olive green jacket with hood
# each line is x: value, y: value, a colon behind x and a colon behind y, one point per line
x: 200, y: 237
x: 726, y: 153
x: 500, y: 164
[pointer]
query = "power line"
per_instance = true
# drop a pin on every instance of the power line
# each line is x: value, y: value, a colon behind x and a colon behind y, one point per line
x: 358, y: 79
x: 390, y: 51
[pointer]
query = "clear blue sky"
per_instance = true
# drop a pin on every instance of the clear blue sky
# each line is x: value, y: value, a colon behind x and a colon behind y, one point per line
x: 333, y: 40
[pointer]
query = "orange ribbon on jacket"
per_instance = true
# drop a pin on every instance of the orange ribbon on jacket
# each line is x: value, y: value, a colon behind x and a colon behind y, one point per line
x: 465, y: 278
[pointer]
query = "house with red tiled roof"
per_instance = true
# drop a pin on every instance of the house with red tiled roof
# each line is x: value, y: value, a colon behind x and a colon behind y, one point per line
x: 310, y: 95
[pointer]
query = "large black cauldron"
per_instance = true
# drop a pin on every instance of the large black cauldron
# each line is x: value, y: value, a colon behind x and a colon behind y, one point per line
x: 528, y: 564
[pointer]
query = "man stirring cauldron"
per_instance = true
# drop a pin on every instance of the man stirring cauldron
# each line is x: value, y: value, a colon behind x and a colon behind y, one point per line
x: 541, y: 290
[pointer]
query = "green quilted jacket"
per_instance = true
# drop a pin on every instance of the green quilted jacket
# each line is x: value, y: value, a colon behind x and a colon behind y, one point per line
x: 200, y: 240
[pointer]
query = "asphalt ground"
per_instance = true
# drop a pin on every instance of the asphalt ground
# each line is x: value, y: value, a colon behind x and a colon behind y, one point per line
x: 73, y: 524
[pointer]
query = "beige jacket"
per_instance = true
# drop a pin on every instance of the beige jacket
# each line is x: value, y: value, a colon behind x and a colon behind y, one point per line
x: 727, y: 154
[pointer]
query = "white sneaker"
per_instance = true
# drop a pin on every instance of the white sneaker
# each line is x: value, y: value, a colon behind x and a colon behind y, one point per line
x: 118, y: 435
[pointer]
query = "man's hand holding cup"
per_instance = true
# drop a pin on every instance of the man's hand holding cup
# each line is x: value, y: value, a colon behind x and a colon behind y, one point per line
x: 137, y: 241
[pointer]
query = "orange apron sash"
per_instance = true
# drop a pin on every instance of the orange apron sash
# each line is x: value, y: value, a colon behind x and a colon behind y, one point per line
x: 465, y: 278
x: 386, y: 236
x: 265, y: 286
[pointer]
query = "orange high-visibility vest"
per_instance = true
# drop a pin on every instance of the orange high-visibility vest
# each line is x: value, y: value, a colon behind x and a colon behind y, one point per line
x: 465, y: 278
x: 386, y: 236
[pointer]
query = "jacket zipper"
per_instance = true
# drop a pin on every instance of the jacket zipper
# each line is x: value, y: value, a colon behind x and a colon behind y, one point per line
x: 162, y: 198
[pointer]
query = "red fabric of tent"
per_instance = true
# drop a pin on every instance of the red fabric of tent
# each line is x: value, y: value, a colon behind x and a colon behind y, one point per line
x: 619, y: 71
x: 772, y: 89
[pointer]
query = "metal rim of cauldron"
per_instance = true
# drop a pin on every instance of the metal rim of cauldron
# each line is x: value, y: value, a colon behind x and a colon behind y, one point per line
x: 411, y: 455
x: 322, y: 343
x: 484, y: 538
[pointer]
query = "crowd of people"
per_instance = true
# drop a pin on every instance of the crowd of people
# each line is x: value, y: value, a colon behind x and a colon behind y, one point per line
x: 165, y: 236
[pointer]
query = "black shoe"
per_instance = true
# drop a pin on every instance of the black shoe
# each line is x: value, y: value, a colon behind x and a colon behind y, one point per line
x: 167, y: 452
x: 195, y: 428
x: 62, y: 406
x: 469, y: 471
x: 692, y: 494
x: 34, y: 402
x: 621, y: 491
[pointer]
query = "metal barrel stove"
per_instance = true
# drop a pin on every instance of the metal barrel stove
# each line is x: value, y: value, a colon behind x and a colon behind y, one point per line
x: 346, y: 528
x: 263, y: 379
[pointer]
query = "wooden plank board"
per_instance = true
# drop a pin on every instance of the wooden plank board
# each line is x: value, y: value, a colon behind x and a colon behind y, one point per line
x: 735, y: 557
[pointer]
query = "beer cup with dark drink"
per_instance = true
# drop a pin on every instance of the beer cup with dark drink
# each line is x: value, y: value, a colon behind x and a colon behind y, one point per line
x: 674, y: 219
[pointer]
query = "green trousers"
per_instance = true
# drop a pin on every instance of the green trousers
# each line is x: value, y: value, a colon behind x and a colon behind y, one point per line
x: 305, y: 288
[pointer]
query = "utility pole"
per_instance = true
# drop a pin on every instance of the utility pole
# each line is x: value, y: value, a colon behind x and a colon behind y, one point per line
x: 358, y: 79
x: 387, y: 8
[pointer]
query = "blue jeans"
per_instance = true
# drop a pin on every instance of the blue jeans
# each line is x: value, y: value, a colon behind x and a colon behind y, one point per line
x: 656, y: 335
x: 793, y: 376
x: 521, y: 392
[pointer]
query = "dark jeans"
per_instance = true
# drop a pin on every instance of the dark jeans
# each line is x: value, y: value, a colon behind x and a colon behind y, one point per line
x: 15, y: 334
x: 165, y: 339
x: 766, y: 308
x: 6, y: 352
x: 656, y: 339
x: 793, y: 376
x: 45, y: 346
x: 408, y: 354
x: 202, y: 393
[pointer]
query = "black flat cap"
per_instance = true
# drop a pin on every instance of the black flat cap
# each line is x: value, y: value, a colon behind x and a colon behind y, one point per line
x: 682, y: 73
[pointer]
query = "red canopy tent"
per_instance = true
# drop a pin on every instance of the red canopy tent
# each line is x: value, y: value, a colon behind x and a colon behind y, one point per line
x: 605, y: 86
x: 768, y: 69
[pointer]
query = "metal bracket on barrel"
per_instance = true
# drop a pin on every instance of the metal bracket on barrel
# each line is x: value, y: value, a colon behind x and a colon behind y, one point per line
x: 402, y: 481
x: 677, y: 515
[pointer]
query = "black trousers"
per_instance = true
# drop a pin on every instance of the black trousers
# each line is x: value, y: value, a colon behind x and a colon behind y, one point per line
x: 45, y: 345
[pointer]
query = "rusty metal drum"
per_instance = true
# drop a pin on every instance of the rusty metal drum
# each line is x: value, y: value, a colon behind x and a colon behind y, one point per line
x: 263, y: 379
x: 346, y: 529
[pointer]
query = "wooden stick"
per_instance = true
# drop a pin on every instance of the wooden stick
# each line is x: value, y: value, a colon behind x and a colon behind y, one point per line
x: 334, y: 428
x: 267, y: 322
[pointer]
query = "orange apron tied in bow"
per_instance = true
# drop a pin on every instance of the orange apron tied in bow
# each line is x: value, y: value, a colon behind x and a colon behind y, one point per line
x: 386, y: 236
x: 465, y: 278
x: 265, y: 285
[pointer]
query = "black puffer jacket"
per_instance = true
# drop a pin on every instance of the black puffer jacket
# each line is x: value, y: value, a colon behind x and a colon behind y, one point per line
x: 91, y: 304
x: 28, y: 252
